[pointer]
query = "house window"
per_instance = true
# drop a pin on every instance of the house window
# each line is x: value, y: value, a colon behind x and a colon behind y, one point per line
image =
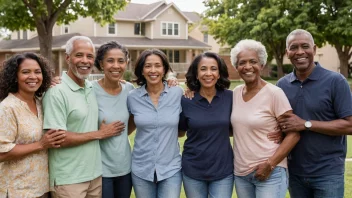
x: 170, y: 29
x: 66, y: 29
x: 139, y: 28
x: 172, y: 55
x: 8, y: 56
x: 25, y: 36
x: 205, y: 37
x: 112, y: 28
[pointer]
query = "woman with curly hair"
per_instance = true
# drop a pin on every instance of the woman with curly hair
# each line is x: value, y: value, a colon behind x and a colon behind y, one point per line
x: 23, y: 145
x: 207, y: 159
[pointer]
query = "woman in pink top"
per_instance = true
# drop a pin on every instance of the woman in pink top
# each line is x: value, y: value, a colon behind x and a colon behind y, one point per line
x: 260, y: 164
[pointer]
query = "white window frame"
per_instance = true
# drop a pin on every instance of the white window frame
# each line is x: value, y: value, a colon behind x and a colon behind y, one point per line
x: 107, y: 29
x: 173, y: 30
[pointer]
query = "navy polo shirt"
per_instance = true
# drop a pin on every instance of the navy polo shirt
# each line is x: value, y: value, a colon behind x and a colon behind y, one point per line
x: 207, y: 153
x: 323, y: 96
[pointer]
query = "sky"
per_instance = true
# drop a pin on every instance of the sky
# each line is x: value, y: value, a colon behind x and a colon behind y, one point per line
x: 184, y: 5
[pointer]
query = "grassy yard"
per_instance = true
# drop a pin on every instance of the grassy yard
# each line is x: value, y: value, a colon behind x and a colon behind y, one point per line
x: 348, y: 172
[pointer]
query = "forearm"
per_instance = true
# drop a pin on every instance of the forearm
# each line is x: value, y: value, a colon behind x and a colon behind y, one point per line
x: 20, y: 151
x: 75, y: 139
x: 333, y: 128
x: 285, y: 147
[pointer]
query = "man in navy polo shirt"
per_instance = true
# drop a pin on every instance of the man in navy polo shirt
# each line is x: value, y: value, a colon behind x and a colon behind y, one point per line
x: 322, y: 105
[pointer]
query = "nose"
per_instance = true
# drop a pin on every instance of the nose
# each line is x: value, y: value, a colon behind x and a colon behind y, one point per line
x: 300, y: 50
x: 84, y: 59
x: 152, y: 69
x: 32, y: 75
x: 248, y: 65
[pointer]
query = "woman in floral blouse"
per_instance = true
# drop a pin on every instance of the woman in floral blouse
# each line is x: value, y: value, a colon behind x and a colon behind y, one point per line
x: 23, y: 146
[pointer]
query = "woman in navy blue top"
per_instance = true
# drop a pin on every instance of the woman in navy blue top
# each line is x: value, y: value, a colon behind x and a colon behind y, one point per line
x: 207, y: 159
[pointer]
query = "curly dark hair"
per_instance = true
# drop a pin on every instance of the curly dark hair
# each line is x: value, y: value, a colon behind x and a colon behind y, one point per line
x: 8, y: 74
x: 192, y: 73
x: 138, y: 69
x: 103, y: 49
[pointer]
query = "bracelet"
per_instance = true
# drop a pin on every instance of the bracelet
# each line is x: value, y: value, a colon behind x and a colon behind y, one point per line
x: 271, y: 166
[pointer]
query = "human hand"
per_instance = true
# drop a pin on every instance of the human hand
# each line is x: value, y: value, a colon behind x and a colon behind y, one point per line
x: 52, y: 139
x: 55, y: 80
x: 291, y: 123
x: 172, y: 82
x: 276, y: 136
x: 112, y: 129
x: 188, y: 94
x: 263, y: 171
x: 122, y: 81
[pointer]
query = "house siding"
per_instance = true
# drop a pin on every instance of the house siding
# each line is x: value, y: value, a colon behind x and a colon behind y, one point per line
x: 170, y: 15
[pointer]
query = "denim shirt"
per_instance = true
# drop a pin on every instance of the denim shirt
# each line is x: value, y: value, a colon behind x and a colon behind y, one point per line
x: 156, y: 147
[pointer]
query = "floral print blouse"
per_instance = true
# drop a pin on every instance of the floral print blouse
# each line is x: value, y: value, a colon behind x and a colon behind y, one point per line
x: 27, y: 176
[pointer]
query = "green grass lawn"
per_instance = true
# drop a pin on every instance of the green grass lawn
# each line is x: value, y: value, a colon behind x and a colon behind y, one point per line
x: 348, y: 171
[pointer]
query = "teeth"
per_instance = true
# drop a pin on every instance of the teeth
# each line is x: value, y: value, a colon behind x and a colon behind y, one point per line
x: 299, y: 59
x: 31, y: 84
x: 153, y: 76
x: 115, y: 72
x: 84, y: 68
x: 248, y: 73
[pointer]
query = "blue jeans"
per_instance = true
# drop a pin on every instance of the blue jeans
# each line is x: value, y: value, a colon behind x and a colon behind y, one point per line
x: 317, y: 187
x: 117, y: 187
x: 167, y: 188
x: 213, y: 189
x: 274, y: 187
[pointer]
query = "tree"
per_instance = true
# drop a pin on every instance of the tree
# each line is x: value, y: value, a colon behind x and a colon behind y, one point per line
x: 268, y: 21
x: 335, y: 24
x: 43, y: 14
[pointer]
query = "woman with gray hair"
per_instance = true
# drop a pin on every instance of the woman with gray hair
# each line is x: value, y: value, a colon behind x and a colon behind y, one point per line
x: 260, y: 164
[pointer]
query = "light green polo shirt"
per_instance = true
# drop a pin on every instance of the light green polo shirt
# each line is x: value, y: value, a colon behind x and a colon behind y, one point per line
x: 73, y: 108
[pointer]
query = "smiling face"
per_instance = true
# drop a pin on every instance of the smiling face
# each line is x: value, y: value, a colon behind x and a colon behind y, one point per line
x: 153, y: 70
x: 29, y: 76
x: 114, y: 64
x: 80, y: 61
x: 301, y: 51
x: 208, y: 72
x: 248, y: 66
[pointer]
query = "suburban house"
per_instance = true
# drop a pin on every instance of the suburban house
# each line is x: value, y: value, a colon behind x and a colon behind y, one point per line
x: 139, y: 26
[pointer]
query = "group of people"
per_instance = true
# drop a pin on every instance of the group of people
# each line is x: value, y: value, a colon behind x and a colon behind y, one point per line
x: 72, y: 139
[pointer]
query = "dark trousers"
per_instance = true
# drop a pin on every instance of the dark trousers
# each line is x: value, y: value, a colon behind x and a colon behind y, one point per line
x: 117, y: 187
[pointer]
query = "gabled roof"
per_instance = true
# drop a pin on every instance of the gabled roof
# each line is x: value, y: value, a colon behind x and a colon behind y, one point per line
x: 59, y: 43
x: 145, y: 12
x: 193, y: 16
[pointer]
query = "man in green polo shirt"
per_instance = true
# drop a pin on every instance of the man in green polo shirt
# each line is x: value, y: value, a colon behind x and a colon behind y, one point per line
x: 75, y: 168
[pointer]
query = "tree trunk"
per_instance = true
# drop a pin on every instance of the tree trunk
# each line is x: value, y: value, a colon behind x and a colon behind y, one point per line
x: 45, y: 37
x: 344, y: 58
x: 279, y: 62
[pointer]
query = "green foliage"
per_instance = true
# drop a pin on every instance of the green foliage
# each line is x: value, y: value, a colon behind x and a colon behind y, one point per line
x: 287, y: 68
x: 15, y: 15
x: 268, y: 21
x: 128, y: 76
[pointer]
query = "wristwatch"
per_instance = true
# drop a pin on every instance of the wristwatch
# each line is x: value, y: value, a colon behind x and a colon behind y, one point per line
x: 308, y: 124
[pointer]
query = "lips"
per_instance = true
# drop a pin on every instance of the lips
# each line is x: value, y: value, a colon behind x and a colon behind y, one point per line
x: 32, y: 84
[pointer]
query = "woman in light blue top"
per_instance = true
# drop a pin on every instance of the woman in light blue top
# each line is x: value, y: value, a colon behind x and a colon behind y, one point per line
x: 156, y: 159
x: 111, y: 94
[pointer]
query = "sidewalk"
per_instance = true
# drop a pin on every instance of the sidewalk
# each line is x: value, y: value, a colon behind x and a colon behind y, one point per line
x: 348, y: 159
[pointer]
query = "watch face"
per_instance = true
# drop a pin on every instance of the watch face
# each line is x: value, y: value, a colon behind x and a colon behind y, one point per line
x: 308, y: 124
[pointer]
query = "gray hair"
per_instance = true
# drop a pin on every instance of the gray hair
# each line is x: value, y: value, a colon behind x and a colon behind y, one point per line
x: 249, y: 44
x: 299, y: 32
x: 69, y: 43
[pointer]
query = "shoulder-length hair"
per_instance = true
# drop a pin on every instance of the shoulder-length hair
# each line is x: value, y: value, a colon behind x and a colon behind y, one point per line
x: 138, y: 70
x: 192, y: 73
x: 8, y: 74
